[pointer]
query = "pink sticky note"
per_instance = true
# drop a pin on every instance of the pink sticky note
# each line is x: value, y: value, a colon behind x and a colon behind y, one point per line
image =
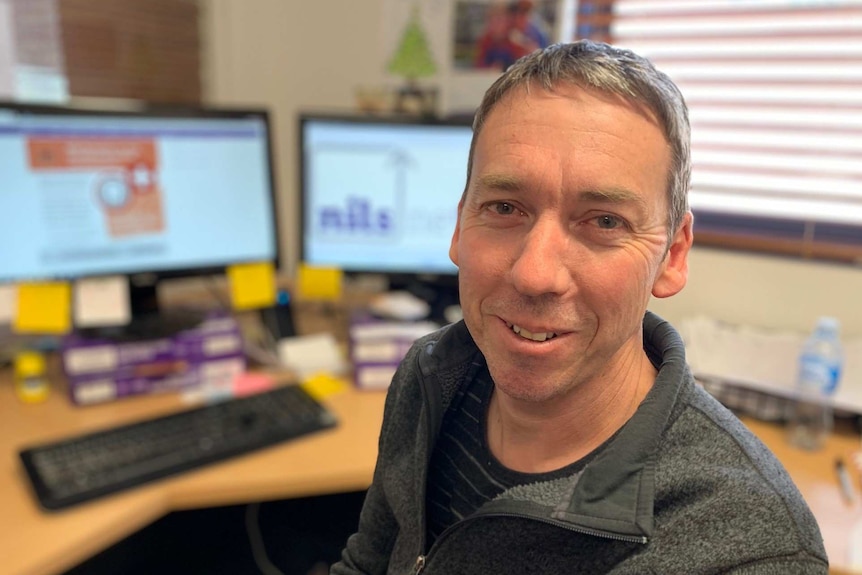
x: 249, y: 383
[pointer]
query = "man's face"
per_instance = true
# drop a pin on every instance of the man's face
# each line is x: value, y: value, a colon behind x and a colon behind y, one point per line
x: 562, y: 237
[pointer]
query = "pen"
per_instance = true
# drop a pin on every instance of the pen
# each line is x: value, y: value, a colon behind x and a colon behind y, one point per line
x: 844, y: 480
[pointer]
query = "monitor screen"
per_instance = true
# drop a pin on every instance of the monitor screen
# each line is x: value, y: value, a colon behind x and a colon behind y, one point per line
x: 380, y: 195
x: 89, y: 193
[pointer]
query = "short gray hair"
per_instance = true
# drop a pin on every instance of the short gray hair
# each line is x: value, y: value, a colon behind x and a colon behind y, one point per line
x: 612, y: 70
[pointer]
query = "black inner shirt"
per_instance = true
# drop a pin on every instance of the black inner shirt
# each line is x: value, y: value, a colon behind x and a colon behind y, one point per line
x: 463, y: 474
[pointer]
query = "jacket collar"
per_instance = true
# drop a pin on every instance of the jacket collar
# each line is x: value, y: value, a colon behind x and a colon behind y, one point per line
x: 615, y: 492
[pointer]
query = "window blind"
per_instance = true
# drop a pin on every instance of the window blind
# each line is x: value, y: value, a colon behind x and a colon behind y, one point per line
x: 142, y: 49
x: 774, y: 89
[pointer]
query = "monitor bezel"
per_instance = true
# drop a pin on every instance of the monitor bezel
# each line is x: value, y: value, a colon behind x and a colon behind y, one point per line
x: 397, y: 278
x: 155, y: 110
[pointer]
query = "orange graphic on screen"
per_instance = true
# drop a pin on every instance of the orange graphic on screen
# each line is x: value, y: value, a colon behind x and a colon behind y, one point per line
x: 127, y: 188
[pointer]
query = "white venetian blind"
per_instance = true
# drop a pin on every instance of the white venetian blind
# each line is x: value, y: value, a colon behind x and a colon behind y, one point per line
x: 774, y: 89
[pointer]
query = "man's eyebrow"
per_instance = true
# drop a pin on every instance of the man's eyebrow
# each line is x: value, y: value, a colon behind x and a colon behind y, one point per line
x: 613, y: 196
x: 499, y: 182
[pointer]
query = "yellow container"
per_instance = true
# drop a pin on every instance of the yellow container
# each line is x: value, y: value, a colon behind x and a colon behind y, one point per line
x: 31, y: 385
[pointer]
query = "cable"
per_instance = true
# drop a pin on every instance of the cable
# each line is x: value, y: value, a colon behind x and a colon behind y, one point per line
x: 255, y: 539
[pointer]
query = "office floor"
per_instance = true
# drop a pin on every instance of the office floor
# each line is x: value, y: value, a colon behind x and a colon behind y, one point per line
x: 301, y: 537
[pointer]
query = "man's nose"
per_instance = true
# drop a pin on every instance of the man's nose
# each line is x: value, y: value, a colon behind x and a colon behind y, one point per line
x: 542, y: 267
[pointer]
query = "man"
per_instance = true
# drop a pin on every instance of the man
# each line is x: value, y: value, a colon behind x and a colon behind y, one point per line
x: 557, y: 429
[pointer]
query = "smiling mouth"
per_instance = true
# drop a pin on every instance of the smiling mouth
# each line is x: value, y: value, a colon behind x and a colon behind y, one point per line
x: 526, y: 334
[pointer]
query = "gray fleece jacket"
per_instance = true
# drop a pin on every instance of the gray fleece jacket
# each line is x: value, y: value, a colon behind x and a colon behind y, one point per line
x: 683, y: 488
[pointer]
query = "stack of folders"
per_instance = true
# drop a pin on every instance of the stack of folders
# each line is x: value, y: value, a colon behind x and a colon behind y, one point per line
x: 378, y: 346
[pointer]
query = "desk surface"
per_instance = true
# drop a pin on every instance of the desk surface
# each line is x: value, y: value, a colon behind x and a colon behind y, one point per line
x: 33, y: 542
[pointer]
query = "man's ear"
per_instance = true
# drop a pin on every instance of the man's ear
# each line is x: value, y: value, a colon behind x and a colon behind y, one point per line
x: 671, y: 279
x: 453, y: 246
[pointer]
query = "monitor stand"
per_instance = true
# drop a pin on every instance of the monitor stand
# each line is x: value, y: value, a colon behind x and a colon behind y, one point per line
x: 148, y: 321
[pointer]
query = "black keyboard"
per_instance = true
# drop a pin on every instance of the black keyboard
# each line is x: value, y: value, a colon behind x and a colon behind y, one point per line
x: 78, y: 469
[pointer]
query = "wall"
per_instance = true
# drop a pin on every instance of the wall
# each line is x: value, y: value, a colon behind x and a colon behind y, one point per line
x: 289, y: 56
x: 766, y: 291
x: 294, y: 55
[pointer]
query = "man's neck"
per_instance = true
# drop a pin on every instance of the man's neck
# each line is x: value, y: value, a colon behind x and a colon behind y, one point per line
x: 533, y: 438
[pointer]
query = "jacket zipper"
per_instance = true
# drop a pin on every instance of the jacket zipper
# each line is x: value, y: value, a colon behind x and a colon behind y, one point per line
x: 419, y: 565
x: 422, y: 560
x: 642, y: 539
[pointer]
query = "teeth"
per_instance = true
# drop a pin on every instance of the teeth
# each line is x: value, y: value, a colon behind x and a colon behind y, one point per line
x: 540, y: 336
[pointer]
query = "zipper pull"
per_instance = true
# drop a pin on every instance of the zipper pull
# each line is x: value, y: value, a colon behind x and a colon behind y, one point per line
x: 419, y: 566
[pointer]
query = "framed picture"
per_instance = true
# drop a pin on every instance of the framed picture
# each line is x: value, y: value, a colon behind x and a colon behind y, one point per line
x: 487, y: 36
x: 493, y: 34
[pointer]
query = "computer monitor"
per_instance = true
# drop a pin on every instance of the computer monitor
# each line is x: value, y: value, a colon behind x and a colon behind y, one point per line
x: 380, y: 195
x: 147, y: 194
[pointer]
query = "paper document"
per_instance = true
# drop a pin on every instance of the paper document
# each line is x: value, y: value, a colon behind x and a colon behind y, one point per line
x: 102, y: 301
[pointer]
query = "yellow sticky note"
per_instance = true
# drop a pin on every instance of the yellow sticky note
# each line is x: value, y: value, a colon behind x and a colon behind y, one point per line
x: 319, y: 282
x: 43, y: 307
x: 252, y: 285
x: 323, y: 385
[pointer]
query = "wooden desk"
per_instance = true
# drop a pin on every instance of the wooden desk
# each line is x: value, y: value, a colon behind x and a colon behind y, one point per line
x: 814, y: 475
x: 33, y: 542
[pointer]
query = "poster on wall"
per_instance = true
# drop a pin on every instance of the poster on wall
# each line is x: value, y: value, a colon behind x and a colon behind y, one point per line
x: 488, y: 36
x: 492, y: 35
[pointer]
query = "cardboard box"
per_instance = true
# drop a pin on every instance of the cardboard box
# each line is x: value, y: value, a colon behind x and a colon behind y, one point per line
x: 102, y: 370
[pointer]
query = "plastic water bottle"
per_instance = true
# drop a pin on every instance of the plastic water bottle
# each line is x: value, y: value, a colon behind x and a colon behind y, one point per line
x: 820, y: 363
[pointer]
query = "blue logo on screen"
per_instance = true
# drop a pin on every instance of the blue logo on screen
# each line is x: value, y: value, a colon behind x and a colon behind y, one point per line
x: 358, y: 216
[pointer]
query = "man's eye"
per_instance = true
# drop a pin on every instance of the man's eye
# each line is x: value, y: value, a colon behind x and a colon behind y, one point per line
x: 609, y: 222
x: 504, y: 208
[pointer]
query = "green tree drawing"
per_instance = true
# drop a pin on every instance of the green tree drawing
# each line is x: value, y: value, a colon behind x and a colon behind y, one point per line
x: 413, y: 57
